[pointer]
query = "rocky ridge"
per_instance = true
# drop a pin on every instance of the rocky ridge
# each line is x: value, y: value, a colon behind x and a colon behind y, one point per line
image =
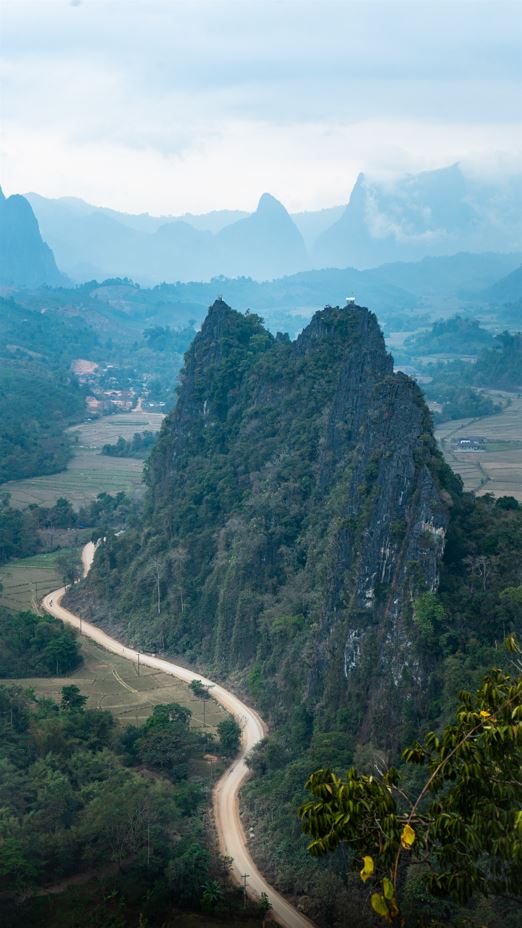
x: 297, y: 508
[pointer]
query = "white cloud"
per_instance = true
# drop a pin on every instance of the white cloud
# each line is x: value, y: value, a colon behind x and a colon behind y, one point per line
x: 197, y: 104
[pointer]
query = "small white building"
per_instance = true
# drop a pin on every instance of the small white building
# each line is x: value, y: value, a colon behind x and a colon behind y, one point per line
x: 350, y: 301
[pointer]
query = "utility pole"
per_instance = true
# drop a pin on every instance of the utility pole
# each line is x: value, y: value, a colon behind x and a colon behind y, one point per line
x: 208, y: 687
x: 244, y: 877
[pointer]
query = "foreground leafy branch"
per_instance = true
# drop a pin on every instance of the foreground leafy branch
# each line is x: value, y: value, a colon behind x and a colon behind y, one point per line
x: 464, y: 824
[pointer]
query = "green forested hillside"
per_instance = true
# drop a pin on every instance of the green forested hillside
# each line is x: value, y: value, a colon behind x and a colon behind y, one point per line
x: 456, y: 336
x: 308, y: 541
x: 38, y: 394
x: 297, y: 505
x: 501, y: 365
x: 36, y: 404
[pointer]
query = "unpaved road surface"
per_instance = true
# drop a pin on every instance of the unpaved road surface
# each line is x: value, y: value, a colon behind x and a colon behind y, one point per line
x: 232, y: 839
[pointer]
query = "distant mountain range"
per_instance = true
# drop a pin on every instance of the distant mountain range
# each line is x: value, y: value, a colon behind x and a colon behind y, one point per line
x: 25, y: 259
x: 434, y: 213
x: 507, y: 290
x: 404, y: 226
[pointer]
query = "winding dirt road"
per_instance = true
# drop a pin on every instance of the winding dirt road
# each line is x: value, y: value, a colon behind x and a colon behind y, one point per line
x: 230, y: 832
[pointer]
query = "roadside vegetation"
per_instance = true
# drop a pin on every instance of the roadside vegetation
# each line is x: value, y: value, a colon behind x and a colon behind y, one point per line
x: 82, y: 796
x: 456, y: 815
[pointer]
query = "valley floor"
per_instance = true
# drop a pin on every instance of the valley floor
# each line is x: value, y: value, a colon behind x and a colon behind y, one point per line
x: 89, y: 472
x: 498, y: 469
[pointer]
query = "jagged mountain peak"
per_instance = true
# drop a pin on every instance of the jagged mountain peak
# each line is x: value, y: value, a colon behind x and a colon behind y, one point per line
x: 270, y: 206
x: 25, y: 259
x: 302, y: 483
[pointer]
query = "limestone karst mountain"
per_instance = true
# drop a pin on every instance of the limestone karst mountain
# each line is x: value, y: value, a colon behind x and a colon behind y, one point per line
x: 266, y: 244
x: 437, y: 212
x: 297, y: 506
x: 93, y: 242
x: 25, y: 259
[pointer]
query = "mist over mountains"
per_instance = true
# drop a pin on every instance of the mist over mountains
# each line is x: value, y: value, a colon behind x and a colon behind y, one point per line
x: 433, y: 213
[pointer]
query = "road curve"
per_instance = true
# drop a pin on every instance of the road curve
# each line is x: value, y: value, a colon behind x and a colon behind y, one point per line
x: 232, y: 841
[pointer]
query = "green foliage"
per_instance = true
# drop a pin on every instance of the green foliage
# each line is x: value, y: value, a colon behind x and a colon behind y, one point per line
x: 428, y: 615
x: 38, y: 395
x: 229, y: 734
x: 32, y: 645
x: 464, y: 819
x: 69, y: 804
x: 72, y: 699
x: 69, y: 564
x: 166, y: 742
x: 500, y: 365
x: 199, y: 689
x: 459, y: 335
x: 164, y: 339
x: 18, y: 537
x: 137, y: 447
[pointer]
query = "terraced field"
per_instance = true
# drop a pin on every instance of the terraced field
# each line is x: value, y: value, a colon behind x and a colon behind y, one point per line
x: 497, y: 470
x: 27, y: 580
x: 112, y: 682
x: 90, y: 472
x: 108, y: 681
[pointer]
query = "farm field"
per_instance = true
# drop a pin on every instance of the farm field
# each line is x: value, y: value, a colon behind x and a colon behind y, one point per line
x: 112, y: 682
x: 89, y: 472
x: 108, y: 681
x: 497, y: 470
x: 27, y: 580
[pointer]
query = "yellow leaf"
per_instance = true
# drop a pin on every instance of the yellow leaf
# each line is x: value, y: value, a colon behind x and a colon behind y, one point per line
x: 484, y: 715
x: 367, y: 869
x: 388, y: 887
x: 378, y: 904
x: 407, y: 837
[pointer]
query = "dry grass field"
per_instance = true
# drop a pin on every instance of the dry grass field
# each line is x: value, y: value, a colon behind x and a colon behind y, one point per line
x: 27, y: 580
x: 90, y: 472
x: 497, y: 470
x: 108, y: 681
x: 112, y: 682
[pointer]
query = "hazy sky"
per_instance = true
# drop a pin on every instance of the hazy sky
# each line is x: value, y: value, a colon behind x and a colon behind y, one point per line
x: 200, y: 104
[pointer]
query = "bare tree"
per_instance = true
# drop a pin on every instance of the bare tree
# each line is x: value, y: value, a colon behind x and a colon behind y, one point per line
x: 156, y: 571
x: 481, y: 566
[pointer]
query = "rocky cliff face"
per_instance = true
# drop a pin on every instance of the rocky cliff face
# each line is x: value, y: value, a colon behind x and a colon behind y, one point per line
x: 296, y: 511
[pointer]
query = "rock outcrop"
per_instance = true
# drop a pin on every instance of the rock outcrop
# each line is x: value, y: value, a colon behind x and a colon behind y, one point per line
x: 296, y: 511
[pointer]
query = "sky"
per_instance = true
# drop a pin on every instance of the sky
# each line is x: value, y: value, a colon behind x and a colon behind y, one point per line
x: 167, y: 106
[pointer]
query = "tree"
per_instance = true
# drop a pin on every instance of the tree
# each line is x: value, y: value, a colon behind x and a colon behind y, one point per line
x: 463, y: 823
x: 199, y: 689
x: 229, y: 736
x: 72, y: 698
x: 69, y: 563
x: 155, y: 569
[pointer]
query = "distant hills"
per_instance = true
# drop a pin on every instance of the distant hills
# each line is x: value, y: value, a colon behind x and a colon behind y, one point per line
x: 25, y: 259
x: 96, y: 243
x: 434, y: 213
x: 506, y: 290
